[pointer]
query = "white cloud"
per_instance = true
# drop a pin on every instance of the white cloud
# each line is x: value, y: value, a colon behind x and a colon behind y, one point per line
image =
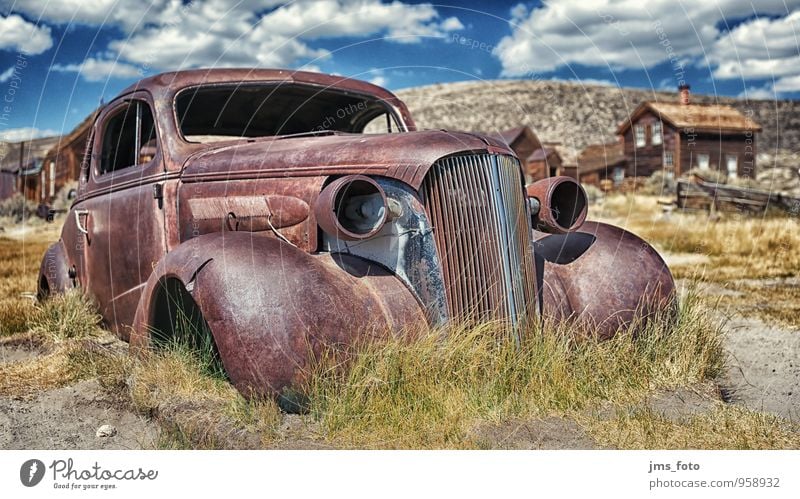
x: 379, y: 80
x: 7, y: 74
x: 167, y: 35
x: 100, y: 70
x: 620, y: 34
x: 18, y: 34
x: 759, y: 48
x: 788, y: 83
x: 761, y: 93
x: 23, y: 134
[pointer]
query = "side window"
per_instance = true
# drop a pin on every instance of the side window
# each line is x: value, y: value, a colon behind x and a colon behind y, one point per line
x: 383, y: 123
x: 129, y: 138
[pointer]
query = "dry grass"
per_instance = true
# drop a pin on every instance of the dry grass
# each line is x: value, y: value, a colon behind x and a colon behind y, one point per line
x: 429, y: 392
x: 198, y: 410
x: 726, y: 427
x: 19, y: 267
x: 737, y: 246
x: 773, y: 301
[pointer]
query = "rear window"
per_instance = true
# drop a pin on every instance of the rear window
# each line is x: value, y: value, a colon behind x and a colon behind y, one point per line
x: 214, y: 113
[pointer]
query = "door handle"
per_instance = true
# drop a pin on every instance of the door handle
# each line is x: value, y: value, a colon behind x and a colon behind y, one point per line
x: 78, y: 214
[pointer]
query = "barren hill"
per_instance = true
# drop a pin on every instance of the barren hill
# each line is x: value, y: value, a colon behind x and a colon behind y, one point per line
x: 575, y: 115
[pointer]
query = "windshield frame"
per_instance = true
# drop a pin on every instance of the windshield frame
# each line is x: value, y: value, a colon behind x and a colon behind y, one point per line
x: 396, y: 117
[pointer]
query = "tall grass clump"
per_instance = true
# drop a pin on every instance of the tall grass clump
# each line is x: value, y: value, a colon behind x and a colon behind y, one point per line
x: 65, y: 316
x: 431, y: 390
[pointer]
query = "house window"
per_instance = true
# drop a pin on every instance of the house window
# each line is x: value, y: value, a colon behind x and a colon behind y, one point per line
x: 657, y: 138
x: 43, y: 180
x: 619, y: 175
x: 639, y: 137
x: 702, y: 161
x: 668, y: 158
x: 732, y: 163
x: 52, y: 178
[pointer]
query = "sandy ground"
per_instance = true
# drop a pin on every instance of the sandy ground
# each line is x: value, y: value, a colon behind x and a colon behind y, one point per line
x: 68, y: 418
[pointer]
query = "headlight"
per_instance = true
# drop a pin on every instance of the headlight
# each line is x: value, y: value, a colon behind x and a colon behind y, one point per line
x: 351, y: 208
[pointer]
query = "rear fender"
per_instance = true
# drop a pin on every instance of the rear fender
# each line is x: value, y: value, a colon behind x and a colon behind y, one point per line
x: 54, y: 272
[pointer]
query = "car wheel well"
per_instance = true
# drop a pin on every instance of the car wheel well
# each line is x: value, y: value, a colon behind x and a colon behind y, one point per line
x: 177, y: 323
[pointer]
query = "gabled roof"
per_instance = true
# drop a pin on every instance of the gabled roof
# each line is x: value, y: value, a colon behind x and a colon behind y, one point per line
x: 714, y: 118
x: 24, y: 155
x: 601, y: 156
x: 567, y: 154
x: 512, y: 135
x: 543, y: 153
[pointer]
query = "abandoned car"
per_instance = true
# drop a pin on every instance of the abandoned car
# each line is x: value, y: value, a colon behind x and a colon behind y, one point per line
x: 289, y: 211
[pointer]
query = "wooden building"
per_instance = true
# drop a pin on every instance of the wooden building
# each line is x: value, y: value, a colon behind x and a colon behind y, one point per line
x: 679, y: 136
x: 544, y: 162
x: 63, y: 161
x: 21, y: 167
x: 601, y: 162
x: 524, y: 142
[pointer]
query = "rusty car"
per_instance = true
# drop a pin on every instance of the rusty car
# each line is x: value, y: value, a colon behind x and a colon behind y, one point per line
x: 286, y: 212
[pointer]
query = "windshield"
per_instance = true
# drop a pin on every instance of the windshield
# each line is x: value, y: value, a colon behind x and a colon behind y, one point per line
x: 226, y: 112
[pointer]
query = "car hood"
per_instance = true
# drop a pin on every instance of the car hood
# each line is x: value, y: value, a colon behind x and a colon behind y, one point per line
x: 405, y: 156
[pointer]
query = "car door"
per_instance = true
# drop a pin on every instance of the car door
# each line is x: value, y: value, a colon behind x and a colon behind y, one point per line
x: 121, y: 213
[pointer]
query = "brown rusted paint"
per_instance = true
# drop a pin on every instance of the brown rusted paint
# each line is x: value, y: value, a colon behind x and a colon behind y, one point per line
x: 561, y: 198
x: 603, y: 277
x: 327, y: 212
x: 234, y: 223
x: 265, y: 328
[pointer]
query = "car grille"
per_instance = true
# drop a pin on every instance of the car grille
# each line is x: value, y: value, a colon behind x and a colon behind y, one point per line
x: 482, y: 230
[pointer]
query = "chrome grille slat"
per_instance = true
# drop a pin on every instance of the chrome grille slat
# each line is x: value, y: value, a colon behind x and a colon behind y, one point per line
x: 483, y: 235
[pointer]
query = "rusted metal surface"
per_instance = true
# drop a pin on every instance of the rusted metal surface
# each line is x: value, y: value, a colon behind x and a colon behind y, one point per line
x: 562, y: 204
x: 247, y: 229
x: 482, y: 230
x: 330, y: 210
x: 602, y: 277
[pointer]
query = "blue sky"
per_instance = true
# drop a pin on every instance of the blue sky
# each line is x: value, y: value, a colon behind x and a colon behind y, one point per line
x: 59, y: 58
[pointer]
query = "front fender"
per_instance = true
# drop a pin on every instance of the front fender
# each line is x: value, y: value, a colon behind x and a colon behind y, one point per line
x: 602, y: 276
x: 271, y: 306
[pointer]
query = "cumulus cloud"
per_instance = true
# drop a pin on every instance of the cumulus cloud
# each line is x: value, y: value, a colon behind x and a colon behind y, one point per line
x: 24, y: 134
x: 99, y: 70
x: 622, y: 34
x: 18, y: 34
x: 167, y: 34
x: 7, y: 74
x: 759, y: 48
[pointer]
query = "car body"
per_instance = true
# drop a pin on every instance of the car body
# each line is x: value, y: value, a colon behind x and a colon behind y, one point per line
x: 289, y: 212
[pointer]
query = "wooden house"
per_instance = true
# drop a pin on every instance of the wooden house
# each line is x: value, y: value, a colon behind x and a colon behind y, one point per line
x: 678, y: 136
x: 63, y: 161
x: 21, y: 167
x: 600, y: 162
x: 524, y: 142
